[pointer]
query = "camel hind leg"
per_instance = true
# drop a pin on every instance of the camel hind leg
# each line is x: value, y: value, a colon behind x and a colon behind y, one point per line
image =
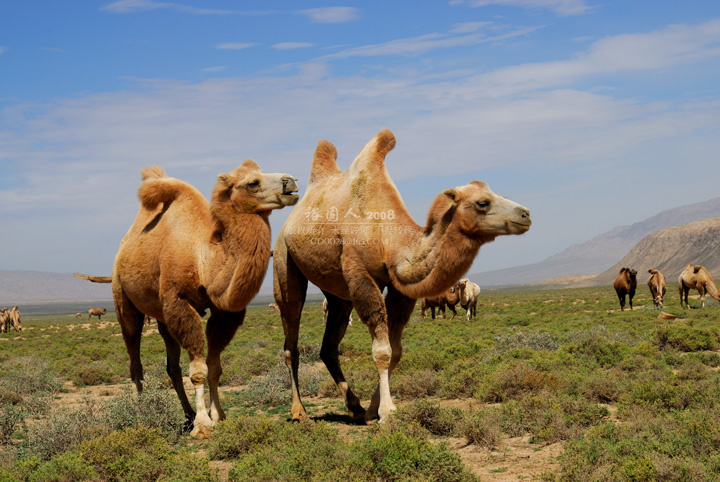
x: 290, y: 290
x: 131, y: 324
x: 337, y: 321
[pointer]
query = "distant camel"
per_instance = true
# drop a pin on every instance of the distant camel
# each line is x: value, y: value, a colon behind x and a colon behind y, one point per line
x: 656, y: 283
x: 325, y: 310
x: 183, y: 256
x: 384, y: 248
x: 15, y: 319
x: 96, y: 312
x: 274, y: 306
x: 696, y: 278
x: 4, y: 320
x: 468, y: 293
x: 447, y: 300
x: 78, y: 315
x: 625, y: 284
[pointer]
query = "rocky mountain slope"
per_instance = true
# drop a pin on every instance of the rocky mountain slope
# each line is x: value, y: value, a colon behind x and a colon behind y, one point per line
x: 18, y: 287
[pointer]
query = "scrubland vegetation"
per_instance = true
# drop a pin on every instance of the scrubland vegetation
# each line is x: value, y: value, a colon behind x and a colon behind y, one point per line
x: 630, y: 397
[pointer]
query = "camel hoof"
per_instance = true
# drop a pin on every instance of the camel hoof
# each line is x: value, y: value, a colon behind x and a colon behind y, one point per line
x: 201, y: 432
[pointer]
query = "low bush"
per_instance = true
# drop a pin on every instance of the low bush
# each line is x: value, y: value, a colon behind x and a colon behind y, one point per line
x: 431, y: 416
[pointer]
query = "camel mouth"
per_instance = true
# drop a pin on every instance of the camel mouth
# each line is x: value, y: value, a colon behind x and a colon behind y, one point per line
x: 519, y: 227
x: 289, y: 199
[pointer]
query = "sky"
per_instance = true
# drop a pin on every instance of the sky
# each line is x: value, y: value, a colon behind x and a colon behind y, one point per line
x: 592, y: 114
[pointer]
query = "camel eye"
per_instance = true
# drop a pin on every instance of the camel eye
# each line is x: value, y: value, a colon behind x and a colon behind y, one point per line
x: 254, y: 184
x: 483, y: 205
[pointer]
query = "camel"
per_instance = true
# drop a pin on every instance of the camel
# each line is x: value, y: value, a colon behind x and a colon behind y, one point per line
x: 352, y: 236
x: 625, y: 284
x: 96, y: 312
x: 184, y: 255
x: 274, y: 306
x: 468, y: 293
x: 78, y: 315
x: 325, y: 310
x: 14, y: 319
x: 656, y: 283
x: 696, y: 278
x: 4, y: 320
x: 447, y: 300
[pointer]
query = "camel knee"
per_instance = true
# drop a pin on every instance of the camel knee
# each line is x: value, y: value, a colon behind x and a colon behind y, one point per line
x: 198, y: 372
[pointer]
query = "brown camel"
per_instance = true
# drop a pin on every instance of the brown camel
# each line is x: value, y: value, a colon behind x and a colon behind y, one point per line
x: 184, y: 255
x: 14, y: 320
x: 656, y: 283
x: 468, y: 293
x: 447, y: 300
x: 96, y: 312
x: 352, y: 236
x: 625, y: 284
x: 696, y: 278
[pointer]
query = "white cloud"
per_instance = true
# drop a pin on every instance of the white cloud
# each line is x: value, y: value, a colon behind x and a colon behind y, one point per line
x: 235, y: 45
x: 132, y: 6
x: 560, y: 7
x: 291, y: 45
x: 468, y: 27
x: 331, y: 14
x: 219, y: 68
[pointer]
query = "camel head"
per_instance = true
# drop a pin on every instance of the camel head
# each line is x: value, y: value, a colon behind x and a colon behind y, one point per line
x: 480, y: 212
x: 251, y: 191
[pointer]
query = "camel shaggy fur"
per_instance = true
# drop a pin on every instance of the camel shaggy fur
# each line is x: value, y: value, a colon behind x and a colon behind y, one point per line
x: 468, y: 293
x: 656, y: 283
x: 625, y: 284
x: 4, y: 320
x: 96, y: 312
x: 352, y: 236
x: 696, y: 278
x: 184, y: 255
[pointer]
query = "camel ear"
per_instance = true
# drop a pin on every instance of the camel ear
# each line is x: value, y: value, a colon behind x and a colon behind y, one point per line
x: 451, y: 194
x: 225, y: 179
x: 250, y: 164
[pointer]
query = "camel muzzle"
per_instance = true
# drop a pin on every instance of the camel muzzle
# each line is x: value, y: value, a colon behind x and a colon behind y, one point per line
x: 289, y: 188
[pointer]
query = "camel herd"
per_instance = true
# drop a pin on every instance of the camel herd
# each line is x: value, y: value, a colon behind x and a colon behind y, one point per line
x: 350, y: 235
x: 464, y: 292
x: 10, y: 318
x: 691, y: 278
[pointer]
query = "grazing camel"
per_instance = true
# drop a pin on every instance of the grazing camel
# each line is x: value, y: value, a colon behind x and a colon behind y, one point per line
x: 78, y: 315
x: 468, y: 293
x: 184, y: 255
x: 325, y: 310
x: 656, y: 283
x: 625, y: 284
x: 4, y: 320
x: 96, y: 312
x: 14, y: 320
x: 447, y: 300
x: 352, y: 236
x: 696, y: 278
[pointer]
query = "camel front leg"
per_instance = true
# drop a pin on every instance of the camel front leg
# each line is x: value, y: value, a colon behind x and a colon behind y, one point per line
x: 337, y: 321
x: 220, y: 330
x: 399, y: 310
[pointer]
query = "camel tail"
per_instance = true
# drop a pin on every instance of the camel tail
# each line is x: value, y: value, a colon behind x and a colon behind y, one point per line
x: 712, y: 290
x: 324, y: 163
x: 94, y: 279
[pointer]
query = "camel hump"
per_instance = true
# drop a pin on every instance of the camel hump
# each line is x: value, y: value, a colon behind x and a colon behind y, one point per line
x: 324, y: 163
x: 152, y: 172
x: 652, y: 271
x: 698, y: 268
x: 374, y: 152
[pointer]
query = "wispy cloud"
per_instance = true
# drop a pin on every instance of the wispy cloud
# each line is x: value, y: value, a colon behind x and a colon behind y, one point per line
x: 468, y: 27
x: 235, y: 45
x: 291, y: 45
x: 332, y: 14
x: 133, y: 6
x: 219, y: 68
x: 2, y: 50
x: 559, y: 7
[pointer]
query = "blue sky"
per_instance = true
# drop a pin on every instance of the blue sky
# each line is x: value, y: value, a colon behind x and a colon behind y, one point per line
x: 593, y: 114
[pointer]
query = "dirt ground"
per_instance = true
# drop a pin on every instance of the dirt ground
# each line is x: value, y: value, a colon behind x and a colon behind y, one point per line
x: 514, y: 459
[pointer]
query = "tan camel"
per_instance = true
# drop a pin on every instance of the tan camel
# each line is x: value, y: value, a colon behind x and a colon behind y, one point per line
x: 78, y: 315
x: 447, y: 300
x: 625, y: 284
x: 656, y: 283
x: 352, y: 236
x: 696, y: 278
x: 184, y: 255
x: 14, y: 319
x: 4, y: 320
x: 96, y: 312
x: 469, y: 293
x: 274, y: 306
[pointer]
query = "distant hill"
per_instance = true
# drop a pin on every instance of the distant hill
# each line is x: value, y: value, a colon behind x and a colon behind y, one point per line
x: 601, y: 252
x: 670, y: 250
x: 18, y: 287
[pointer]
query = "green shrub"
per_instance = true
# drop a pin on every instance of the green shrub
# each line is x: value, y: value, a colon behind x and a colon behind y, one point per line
x: 67, y: 467
x: 482, y: 427
x: 11, y: 418
x: 686, y: 338
x: 431, y: 416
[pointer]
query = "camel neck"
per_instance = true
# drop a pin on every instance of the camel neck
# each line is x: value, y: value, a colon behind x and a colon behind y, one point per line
x: 240, y: 260
x: 434, y: 262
